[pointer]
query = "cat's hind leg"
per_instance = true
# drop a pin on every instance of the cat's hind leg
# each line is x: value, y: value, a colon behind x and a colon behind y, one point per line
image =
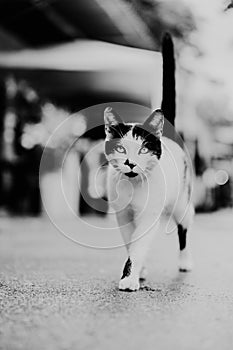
x: 183, y: 227
x: 143, y: 274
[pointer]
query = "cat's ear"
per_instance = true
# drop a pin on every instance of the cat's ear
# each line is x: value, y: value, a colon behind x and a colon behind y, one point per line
x: 111, y: 120
x: 155, y: 122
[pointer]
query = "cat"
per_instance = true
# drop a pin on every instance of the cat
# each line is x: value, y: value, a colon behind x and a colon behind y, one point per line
x: 147, y: 174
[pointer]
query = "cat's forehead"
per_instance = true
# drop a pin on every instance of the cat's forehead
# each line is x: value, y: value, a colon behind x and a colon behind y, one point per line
x: 131, y: 136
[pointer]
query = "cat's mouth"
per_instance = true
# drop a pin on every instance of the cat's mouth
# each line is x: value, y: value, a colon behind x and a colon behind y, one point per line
x: 131, y: 174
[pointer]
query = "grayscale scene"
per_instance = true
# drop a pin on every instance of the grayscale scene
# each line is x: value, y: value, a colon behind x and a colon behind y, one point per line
x: 116, y: 174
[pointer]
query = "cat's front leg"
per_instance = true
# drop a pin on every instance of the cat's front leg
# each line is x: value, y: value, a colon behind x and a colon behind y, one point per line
x: 131, y: 283
x: 127, y: 227
x: 140, y: 242
x: 130, y: 280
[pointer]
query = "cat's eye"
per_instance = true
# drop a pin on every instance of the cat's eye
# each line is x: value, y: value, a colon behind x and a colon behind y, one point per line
x: 143, y: 150
x: 120, y: 149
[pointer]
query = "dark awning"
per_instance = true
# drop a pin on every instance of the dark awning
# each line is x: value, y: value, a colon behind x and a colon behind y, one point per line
x: 36, y: 23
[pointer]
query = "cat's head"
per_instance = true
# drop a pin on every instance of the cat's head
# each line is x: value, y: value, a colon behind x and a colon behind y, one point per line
x: 133, y: 149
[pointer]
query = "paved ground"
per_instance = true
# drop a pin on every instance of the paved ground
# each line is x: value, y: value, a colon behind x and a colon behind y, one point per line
x: 55, y: 294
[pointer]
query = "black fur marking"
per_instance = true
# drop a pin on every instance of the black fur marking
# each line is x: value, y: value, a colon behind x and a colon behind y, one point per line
x: 169, y: 83
x: 182, y: 233
x: 127, y: 268
x: 131, y: 174
x: 150, y: 141
x: 186, y: 178
x: 131, y: 165
x: 189, y: 191
x: 185, y: 170
x: 117, y: 132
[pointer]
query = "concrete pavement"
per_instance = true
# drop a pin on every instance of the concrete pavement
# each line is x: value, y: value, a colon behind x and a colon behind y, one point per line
x: 55, y: 294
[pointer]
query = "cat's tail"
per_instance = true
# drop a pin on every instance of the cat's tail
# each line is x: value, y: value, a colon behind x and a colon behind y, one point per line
x: 169, y: 84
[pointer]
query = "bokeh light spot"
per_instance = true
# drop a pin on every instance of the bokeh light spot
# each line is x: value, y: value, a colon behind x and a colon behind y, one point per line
x: 221, y: 177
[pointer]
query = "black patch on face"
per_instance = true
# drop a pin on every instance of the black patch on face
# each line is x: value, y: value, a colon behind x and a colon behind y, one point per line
x: 182, y: 233
x: 150, y: 141
x: 131, y: 174
x: 117, y: 132
x: 127, y: 268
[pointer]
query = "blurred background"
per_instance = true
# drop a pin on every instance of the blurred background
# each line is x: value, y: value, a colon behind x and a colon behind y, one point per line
x: 57, y: 58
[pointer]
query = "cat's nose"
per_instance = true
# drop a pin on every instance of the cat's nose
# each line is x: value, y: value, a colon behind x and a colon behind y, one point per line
x: 131, y: 165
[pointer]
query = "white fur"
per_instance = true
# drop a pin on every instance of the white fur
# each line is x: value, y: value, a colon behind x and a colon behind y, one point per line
x: 139, y: 201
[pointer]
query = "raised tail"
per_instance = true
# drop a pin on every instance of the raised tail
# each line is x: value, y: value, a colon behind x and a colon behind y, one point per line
x: 169, y: 85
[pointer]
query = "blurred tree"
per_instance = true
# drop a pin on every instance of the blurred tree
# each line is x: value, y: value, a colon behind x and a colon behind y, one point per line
x: 162, y: 16
x: 20, y: 165
x: 229, y: 6
x: 2, y: 113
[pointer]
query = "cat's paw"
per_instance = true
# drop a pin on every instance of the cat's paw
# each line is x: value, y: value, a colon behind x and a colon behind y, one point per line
x: 129, y: 284
x: 185, y: 263
x: 143, y: 274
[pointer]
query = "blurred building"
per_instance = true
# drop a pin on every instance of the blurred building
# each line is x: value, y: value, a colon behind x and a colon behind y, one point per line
x: 60, y: 57
x: 56, y: 60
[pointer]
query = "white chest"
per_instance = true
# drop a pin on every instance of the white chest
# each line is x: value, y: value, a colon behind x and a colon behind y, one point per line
x: 145, y: 195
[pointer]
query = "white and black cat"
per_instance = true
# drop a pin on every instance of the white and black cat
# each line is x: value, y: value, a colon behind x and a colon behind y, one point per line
x: 147, y: 174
